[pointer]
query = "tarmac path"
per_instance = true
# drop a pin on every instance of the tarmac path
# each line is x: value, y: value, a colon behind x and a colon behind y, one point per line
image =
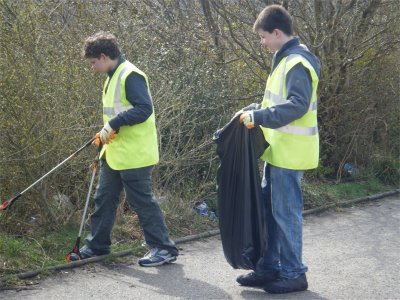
x: 353, y: 253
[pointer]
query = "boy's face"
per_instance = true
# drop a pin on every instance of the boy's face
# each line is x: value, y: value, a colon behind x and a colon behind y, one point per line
x: 272, y: 40
x: 101, y: 64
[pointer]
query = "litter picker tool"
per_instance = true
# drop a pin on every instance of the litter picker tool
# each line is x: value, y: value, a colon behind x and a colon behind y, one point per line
x: 75, y: 254
x: 8, y: 203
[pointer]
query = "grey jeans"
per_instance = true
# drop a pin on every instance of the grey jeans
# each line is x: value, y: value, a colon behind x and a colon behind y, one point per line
x: 137, y: 185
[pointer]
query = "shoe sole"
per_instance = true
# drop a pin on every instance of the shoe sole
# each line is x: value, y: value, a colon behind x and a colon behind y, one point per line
x: 155, y: 264
x: 259, y: 285
x: 286, y: 291
x: 251, y: 285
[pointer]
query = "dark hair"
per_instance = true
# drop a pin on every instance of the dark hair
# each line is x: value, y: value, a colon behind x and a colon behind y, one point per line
x: 101, y: 42
x: 274, y: 17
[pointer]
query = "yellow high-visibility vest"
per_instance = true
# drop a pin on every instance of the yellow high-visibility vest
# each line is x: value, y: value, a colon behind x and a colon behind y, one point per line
x: 134, y: 146
x: 296, y: 145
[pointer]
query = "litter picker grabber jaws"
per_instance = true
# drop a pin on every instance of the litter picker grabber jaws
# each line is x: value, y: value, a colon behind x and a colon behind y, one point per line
x: 75, y: 254
x: 8, y: 203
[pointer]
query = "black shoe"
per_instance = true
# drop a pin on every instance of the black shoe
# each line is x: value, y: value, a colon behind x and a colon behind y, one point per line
x: 283, y: 285
x: 253, y: 279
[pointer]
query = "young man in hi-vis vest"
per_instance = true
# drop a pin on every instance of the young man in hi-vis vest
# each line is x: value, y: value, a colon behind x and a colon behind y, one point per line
x: 129, y: 152
x: 288, y: 118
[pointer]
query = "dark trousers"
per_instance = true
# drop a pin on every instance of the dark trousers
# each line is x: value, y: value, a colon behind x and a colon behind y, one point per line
x: 137, y: 185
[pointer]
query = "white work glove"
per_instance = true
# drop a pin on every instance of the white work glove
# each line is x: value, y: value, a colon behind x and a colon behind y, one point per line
x: 237, y: 114
x: 253, y: 106
x: 107, y: 134
x: 247, y: 118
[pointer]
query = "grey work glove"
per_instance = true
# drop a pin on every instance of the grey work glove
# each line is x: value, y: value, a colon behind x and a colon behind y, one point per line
x: 253, y: 106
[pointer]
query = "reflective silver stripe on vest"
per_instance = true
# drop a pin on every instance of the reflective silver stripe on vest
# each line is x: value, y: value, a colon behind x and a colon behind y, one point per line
x: 291, y: 129
x: 108, y: 111
x: 283, y: 75
x: 299, y: 130
x: 118, y: 108
x: 274, y: 98
x: 313, y: 105
x: 278, y: 100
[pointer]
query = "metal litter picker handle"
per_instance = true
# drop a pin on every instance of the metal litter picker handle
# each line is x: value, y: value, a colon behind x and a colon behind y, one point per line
x: 8, y: 203
x: 75, y: 251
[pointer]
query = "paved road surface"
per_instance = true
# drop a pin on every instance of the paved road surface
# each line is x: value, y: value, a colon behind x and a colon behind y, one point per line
x: 351, y: 254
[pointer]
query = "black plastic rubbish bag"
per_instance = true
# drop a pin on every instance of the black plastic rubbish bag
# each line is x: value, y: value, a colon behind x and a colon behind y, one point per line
x: 241, y: 214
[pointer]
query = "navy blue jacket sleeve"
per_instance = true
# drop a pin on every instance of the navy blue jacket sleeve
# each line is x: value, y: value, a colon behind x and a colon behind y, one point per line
x: 138, y: 95
x: 299, y: 90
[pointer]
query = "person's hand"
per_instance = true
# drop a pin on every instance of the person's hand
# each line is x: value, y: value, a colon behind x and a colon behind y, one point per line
x: 237, y: 113
x: 107, y: 134
x: 247, y: 118
x: 97, y: 141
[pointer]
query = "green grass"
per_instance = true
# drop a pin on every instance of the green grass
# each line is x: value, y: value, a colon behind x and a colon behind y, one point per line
x: 351, y: 190
x: 42, y: 249
x: 321, y: 193
x: 17, y: 253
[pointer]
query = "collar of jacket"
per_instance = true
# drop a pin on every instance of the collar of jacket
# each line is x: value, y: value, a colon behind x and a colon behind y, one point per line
x: 121, y: 59
x: 281, y: 53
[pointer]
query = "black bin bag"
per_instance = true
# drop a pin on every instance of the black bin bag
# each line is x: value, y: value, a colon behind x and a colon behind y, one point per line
x: 241, y: 214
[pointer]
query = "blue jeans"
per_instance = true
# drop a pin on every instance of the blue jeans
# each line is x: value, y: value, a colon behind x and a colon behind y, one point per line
x: 137, y: 185
x: 282, y: 196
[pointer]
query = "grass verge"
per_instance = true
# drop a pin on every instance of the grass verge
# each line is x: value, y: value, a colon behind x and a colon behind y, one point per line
x: 321, y: 193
